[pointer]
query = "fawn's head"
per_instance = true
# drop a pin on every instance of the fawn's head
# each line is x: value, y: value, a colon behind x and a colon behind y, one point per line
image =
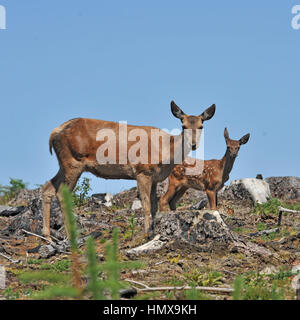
x: 233, y: 146
x: 194, y: 123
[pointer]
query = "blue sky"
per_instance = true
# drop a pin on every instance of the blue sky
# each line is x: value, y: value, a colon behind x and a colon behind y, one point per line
x: 126, y: 60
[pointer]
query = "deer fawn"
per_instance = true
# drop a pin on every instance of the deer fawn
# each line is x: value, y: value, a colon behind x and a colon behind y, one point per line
x: 76, y: 144
x: 215, y: 173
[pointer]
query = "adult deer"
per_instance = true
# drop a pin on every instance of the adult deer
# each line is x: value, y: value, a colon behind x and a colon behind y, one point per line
x: 215, y: 173
x: 77, y: 143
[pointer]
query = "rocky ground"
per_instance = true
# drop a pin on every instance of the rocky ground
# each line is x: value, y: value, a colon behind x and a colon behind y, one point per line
x: 197, y: 248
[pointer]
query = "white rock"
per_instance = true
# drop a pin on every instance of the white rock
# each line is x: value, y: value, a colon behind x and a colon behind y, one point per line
x: 269, y: 270
x: 108, y: 200
x: 258, y: 189
x: 148, y: 247
x: 136, y: 205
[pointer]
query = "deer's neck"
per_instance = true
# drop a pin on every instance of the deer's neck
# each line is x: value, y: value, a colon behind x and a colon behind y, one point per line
x: 226, y: 165
x: 179, y: 149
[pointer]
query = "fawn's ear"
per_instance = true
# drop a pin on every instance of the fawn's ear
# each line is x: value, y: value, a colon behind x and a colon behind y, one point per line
x: 177, y: 112
x: 226, y: 134
x: 208, y: 113
x: 245, y: 139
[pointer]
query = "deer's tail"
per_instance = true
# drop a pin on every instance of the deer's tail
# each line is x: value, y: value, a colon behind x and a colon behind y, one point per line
x: 51, y: 142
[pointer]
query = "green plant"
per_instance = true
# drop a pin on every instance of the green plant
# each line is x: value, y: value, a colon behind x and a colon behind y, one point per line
x: 194, y: 294
x: 261, y: 226
x: 197, y: 278
x: 10, y: 294
x: 132, y: 222
x: 80, y: 192
x: 34, y: 261
x: 255, y: 288
x: 269, y: 207
x: 8, y: 192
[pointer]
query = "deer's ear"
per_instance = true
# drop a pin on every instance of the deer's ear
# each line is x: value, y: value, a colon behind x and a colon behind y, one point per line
x: 208, y: 113
x: 177, y: 112
x: 226, y: 134
x: 244, y: 139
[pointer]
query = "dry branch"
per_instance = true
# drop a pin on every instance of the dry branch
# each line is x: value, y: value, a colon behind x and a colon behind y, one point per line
x: 207, y: 289
x: 38, y: 236
x: 8, y: 258
x: 260, y: 233
x: 281, y: 210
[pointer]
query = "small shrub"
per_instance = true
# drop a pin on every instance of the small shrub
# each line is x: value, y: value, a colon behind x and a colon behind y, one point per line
x: 255, y: 288
x: 132, y: 222
x: 80, y: 192
x: 269, y: 207
x: 8, y: 192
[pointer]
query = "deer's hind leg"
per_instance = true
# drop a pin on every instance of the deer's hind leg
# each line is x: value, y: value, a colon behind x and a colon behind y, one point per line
x: 48, y: 192
x: 179, y: 193
x: 68, y: 176
x: 71, y: 177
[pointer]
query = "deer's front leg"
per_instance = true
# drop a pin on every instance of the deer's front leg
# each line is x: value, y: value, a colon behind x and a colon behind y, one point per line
x: 144, y: 185
x: 212, y: 198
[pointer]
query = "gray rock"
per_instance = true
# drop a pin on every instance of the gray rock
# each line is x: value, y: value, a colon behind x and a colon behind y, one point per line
x: 47, y: 251
x: 194, y: 227
x: 7, y: 211
x: 285, y: 188
x: 103, y: 198
x: 200, y: 205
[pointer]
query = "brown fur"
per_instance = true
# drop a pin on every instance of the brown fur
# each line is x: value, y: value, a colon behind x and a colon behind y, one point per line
x: 215, y: 173
x: 75, y: 146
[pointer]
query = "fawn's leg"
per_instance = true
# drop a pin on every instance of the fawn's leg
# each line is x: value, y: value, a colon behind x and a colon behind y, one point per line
x: 166, y: 198
x: 179, y: 193
x: 211, y: 194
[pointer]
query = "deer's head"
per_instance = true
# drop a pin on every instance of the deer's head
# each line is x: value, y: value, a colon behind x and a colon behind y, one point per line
x: 233, y: 146
x: 194, y: 123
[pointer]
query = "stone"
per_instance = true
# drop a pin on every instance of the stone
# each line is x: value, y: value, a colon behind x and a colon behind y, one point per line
x: 269, y: 270
x: 136, y: 205
x: 153, y: 245
x: 199, y: 228
x: 102, y: 198
x: 252, y: 189
x: 200, y: 204
x: 285, y: 188
x: 8, y: 211
x: 46, y: 251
